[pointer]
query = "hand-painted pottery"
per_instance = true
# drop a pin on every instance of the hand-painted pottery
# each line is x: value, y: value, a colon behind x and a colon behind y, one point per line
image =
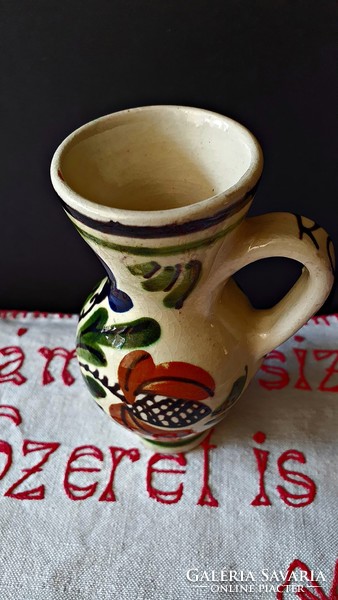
x: 167, y: 342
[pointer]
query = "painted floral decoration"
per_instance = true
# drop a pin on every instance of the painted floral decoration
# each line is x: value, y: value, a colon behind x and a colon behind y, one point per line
x: 167, y: 396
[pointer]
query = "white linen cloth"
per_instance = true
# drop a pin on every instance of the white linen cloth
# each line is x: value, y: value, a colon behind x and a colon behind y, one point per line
x: 256, y: 502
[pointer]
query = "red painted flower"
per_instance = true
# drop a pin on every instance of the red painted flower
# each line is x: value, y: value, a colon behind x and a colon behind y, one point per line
x: 166, y: 396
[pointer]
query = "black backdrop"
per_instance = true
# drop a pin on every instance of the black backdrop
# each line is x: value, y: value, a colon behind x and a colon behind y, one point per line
x: 269, y: 64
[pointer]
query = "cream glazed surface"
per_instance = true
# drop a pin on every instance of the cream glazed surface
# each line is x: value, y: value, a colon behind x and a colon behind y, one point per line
x: 167, y: 342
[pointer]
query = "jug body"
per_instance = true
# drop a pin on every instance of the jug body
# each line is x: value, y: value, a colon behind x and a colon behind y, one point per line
x: 167, y: 342
x: 156, y: 341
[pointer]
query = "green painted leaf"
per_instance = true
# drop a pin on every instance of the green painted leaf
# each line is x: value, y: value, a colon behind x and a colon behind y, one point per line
x: 94, y: 334
x: 94, y: 387
x: 180, y: 293
x: 164, y: 281
x: 92, y: 354
x: 90, y: 337
x: 167, y: 278
x: 136, y: 334
x: 95, y: 323
x: 145, y: 270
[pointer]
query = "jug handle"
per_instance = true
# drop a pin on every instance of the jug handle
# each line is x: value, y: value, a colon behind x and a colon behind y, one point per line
x: 290, y: 236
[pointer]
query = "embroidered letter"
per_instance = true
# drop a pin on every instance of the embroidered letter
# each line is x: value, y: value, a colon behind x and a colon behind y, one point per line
x: 165, y: 497
x: 11, y: 364
x: 10, y: 412
x: 73, y: 490
x: 282, y: 376
x: 6, y: 449
x: 321, y: 320
x: 37, y: 493
x: 295, y: 500
x: 108, y: 494
x: 331, y: 370
x: 49, y: 354
x: 307, y: 583
x: 262, y: 499
x: 206, y: 498
x: 301, y: 383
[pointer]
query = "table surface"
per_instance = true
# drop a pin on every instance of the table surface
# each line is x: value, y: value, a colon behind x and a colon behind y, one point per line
x: 88, y: 512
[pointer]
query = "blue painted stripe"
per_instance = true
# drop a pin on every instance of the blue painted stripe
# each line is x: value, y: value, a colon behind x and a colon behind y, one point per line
x: 163, y: 231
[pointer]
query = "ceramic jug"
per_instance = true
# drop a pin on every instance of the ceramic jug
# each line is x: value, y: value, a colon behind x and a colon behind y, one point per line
x: 167, y: 342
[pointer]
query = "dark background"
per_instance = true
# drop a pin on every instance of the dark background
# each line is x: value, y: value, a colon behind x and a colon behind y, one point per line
x: 269, y: 64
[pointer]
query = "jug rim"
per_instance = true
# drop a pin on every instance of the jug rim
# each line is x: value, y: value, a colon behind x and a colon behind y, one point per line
x: 241, y: 192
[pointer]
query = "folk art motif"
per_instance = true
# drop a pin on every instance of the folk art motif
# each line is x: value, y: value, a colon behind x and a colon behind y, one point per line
x: 177, y: 280
x: 162, y: 401
x: 167, y: 342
